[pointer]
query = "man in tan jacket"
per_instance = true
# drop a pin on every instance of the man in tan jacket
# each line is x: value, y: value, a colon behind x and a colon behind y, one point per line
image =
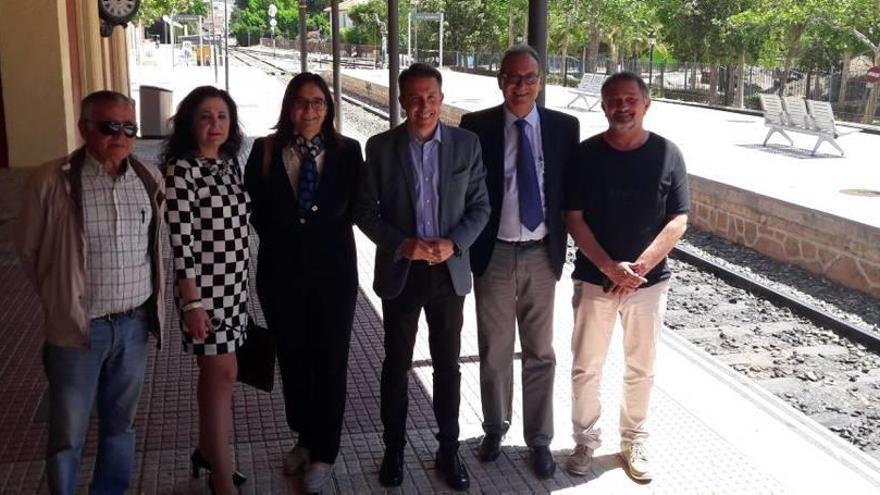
x: 88, y: 239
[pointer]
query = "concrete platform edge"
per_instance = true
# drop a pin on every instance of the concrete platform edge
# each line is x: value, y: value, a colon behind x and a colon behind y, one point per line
x: 805, y: 428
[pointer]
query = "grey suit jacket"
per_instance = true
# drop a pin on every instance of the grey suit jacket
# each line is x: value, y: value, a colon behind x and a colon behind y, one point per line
x: 385, y: 209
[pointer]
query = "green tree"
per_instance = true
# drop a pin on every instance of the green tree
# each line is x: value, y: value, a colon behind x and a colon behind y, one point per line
x: 701, y: 30
x: 566, y: 18
x: 252, y: 17
x: 622, y: 25
x: 862, y: 18
x: 785, y: 24
x: 368, y: 19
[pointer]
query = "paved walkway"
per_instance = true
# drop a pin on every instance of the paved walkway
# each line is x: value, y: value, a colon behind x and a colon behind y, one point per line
x: 713, y: 431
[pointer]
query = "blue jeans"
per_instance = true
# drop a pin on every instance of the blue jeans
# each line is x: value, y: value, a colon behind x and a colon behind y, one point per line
x: 112, y: 369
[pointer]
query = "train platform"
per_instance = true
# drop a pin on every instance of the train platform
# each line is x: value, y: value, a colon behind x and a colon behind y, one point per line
x: 713, y: 431
x: 719, y: 145
x: 821, y: 213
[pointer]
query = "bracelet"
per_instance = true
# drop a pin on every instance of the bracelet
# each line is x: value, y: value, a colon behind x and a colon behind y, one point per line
x: 191, y: 306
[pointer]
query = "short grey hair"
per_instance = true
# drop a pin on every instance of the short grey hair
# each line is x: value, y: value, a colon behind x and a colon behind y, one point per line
x: 517, y: 50
x: 102, y: 97
x: 626, y: 76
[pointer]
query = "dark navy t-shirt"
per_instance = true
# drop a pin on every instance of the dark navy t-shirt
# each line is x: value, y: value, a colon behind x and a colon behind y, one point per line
x: 626, y: 198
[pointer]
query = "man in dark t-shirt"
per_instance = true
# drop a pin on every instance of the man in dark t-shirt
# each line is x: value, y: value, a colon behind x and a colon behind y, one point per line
x: 626, y: 206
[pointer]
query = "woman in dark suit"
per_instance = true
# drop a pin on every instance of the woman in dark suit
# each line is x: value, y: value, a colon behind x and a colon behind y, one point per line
x: 302, y: 182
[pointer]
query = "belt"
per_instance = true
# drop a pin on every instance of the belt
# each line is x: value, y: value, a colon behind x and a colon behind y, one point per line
x: 425, y: 264
x: 523, y: 244
x: 130, y: 313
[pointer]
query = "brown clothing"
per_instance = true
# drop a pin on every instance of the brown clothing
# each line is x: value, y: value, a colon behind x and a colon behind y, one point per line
x: 51, y: 245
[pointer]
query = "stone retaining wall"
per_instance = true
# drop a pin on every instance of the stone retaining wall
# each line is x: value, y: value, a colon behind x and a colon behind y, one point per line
x: 842, y: 250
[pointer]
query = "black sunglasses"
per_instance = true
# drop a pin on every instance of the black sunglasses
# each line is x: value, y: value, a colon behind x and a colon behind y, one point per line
x: 113, y: 128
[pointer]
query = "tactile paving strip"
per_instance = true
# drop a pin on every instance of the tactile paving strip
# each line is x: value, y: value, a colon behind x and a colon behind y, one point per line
x: 688, y: 456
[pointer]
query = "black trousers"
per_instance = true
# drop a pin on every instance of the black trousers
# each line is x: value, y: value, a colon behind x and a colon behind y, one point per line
x: 313, y: 329
x: 429, y: 288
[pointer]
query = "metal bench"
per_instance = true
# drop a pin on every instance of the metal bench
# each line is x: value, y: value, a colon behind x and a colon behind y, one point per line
x: 590, y: 86
x: 805, y: 116
x: 823, y: 122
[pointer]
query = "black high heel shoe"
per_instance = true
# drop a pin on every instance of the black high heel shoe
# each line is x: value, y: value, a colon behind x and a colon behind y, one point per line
x: 199, y: 462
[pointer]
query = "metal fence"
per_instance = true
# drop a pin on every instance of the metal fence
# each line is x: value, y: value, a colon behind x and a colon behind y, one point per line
x: 685, y: 81
x: 693, y: 81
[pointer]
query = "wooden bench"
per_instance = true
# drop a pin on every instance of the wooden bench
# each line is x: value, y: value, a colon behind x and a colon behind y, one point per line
x: 590, y: 86
x: 798, y: 115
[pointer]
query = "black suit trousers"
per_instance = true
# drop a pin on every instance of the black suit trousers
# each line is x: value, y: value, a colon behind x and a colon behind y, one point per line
x: 313, y: 329
x: 429, y: 288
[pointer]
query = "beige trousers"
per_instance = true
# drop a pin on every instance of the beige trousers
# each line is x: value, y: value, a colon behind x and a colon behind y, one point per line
x: 595, y: 314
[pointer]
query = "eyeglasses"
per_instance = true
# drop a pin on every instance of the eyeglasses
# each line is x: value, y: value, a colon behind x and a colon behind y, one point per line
x: 516, y: 79
x: 316, y: 104
x: 113, y: 128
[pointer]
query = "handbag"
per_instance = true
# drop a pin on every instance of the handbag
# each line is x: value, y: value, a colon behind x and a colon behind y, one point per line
x: 256, y: 357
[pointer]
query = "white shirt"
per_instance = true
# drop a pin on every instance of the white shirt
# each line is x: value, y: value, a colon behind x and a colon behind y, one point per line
x: 510, y: 227
x: 116, y: 222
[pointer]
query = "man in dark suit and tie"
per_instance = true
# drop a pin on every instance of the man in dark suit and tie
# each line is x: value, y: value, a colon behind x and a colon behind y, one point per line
x: 518, y: 257
x: 423, y: 201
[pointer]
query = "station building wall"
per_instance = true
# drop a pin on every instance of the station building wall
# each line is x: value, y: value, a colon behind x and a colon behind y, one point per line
x: 51, y: 55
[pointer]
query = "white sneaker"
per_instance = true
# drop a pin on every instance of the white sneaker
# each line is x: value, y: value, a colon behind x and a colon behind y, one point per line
x: 296, y: 460
x: 635, y: 461
x: 580, y: 460
x: 317, y: 475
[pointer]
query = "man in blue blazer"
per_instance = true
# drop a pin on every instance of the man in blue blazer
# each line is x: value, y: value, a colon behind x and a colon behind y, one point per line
x: 518, y: 257
x: 422, y: 200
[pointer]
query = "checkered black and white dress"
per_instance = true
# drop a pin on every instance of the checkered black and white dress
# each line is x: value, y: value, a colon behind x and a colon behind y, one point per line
x: 208, y: 219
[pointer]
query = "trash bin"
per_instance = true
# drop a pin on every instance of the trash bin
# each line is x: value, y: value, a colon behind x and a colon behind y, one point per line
x: 155, y: 112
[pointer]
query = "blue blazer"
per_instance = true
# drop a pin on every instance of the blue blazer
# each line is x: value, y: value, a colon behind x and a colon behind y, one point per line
x: 385, y: 209
x: 560, y: 134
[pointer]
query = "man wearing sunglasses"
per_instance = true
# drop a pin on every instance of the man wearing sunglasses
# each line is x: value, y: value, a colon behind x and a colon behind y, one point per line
x: 518, y: 258
x: 88, y: 239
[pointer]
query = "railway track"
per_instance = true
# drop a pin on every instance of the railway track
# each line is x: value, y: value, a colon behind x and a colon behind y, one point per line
x: 822, y: 365
x: 290, y: 64
x: 817, y: 369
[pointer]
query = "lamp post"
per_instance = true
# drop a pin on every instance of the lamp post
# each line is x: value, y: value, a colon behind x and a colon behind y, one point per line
x: 303, y: 46
x: 272, y: 10
x: 652, y: 40
x: 226, y: 42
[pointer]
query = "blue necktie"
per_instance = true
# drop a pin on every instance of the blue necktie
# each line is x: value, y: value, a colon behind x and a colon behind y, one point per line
x: 308, y: 182
x: 531, y: 210
x: 308, y: 174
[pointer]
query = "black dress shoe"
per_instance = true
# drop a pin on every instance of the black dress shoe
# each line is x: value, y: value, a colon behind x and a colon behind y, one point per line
x: 391, y: 472
x: 453, y: 470
x: 542, y: 461
x: 490, y: 447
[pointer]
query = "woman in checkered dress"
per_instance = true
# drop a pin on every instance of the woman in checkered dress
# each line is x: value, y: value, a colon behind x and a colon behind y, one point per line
x: 208, y: 220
